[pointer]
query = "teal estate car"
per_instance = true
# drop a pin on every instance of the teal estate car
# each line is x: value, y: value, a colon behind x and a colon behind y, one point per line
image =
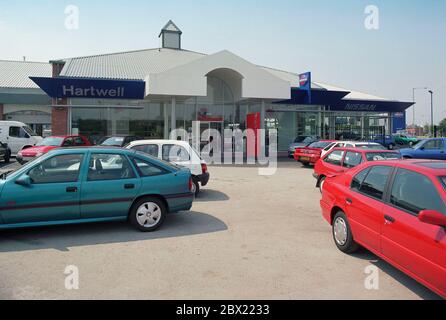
x: 80, y: 185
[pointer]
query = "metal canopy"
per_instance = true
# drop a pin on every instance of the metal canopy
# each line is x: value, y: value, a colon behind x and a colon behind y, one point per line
x: 336, y: 101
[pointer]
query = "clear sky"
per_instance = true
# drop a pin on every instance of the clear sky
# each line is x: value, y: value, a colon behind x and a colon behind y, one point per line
x: 326, y: 37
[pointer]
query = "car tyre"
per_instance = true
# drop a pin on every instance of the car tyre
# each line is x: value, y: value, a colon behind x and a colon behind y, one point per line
x: 7, y: 157
x: 148, y: 214
x: 321, y: 183
x: 342, y: 234
x: 392, y: 146
x: 195, y: 186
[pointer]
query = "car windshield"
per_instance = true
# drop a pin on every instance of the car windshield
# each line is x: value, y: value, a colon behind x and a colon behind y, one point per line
x: 419, y: 144
x: 30, y: 131
x: 50, y: 142
x: 320, y: 144
x: 113, y: 141
x: 380, y: 156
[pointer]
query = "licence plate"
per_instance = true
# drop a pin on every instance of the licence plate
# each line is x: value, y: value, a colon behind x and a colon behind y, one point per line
x: 304, y: 159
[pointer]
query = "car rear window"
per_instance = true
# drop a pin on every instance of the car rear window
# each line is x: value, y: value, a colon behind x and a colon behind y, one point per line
x: 319, y: 144
x: 171, y: 165
x: 380, y: 156
x: 51, y: 141
x: 113, y: 141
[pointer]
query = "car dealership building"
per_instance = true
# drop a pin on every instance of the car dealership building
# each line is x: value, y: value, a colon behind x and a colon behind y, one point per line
x: 150, y: 92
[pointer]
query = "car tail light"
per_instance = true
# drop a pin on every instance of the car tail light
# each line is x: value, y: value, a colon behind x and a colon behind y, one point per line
x: 204, y: 168
x: 191, y: 183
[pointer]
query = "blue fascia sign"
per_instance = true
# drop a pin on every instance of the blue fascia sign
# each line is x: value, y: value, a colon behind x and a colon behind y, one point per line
x: 399, y: 121
x: 305, y: 84
x: 67, y: 87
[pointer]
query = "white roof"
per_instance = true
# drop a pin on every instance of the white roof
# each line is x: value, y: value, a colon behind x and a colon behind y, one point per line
x: 137, y: 65
x: 131, y: 65
x: 356, y: 95
x: 15, y: 74
x: 293, y: 78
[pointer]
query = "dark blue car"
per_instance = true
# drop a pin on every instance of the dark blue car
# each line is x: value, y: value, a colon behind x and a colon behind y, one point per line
x: 387, y: 140
x: 426, y: 149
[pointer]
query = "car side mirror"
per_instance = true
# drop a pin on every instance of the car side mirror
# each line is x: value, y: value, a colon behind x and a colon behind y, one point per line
x: 24, y: 180
x: 432, y: 217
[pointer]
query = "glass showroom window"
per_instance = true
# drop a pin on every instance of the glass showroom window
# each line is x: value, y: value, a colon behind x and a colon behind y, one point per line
x: 186, y: 112
x: 220, y: 100
x: 145, y: 120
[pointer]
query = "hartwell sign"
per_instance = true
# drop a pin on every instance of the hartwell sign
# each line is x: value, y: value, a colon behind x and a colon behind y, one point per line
x: 63, y: 87
x: 72, y: 91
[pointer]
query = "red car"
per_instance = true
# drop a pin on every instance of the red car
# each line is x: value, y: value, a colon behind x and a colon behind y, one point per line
x: 49, y: 144
x: 395, y: 209
x: 340, y: 160
x: 312, y: 153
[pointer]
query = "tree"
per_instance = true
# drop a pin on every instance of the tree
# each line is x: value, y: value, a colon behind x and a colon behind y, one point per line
x: 427, y: 129
x: 442, y: 127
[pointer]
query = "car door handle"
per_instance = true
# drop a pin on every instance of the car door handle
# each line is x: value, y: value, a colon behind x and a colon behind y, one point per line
x: 389, y: 219
x: 349, y: 201
x: 72, y: 189
x: 129, y: 186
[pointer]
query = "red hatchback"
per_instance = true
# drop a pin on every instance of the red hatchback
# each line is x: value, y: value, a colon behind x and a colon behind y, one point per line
x: 340, y: 160
x: 49, y: 144
x: 311, y: 153
x: 395, y: 209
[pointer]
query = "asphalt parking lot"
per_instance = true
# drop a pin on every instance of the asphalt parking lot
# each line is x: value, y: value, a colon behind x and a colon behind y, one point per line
x: 247, y: 237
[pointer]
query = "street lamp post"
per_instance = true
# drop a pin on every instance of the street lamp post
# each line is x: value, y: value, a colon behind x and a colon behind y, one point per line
x: 414, y: 103
x: 432, y: 113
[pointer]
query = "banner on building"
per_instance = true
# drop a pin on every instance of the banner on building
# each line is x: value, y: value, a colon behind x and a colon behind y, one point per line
x: 65, y: 87
x: 305, y: 84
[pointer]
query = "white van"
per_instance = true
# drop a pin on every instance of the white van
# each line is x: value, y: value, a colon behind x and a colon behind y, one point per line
x: 17, y: 136
x: 178, y: 152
